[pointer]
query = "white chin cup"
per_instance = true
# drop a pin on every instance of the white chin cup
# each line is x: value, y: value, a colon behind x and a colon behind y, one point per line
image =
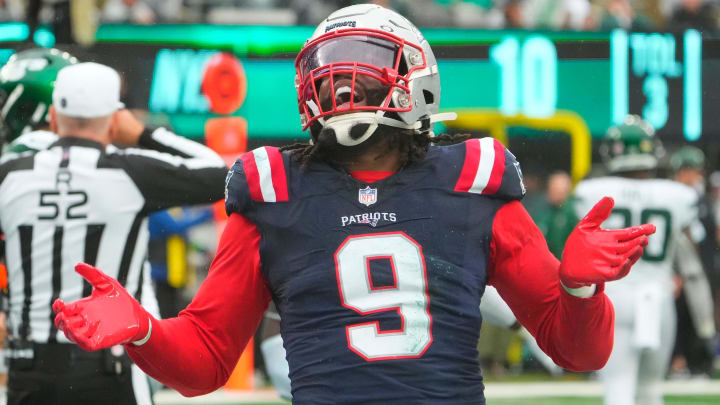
x: 342, y: 124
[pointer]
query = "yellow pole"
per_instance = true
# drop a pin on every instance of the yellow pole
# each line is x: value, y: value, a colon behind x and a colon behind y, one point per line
x: 564, y: 121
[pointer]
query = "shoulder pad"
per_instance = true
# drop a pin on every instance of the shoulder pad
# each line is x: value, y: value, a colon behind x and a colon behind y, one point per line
x: 257, y: 176
x: 489, y: 168
x: 34, y: 141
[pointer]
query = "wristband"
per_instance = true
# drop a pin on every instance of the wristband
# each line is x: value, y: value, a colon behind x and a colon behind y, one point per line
x: 146, y: 338
x: 581, y: 292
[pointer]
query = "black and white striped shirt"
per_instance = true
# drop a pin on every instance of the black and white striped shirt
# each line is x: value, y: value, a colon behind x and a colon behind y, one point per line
x: 79, y: 201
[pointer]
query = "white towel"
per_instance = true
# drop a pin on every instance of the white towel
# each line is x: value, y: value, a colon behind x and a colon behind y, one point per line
x: 648, y: 315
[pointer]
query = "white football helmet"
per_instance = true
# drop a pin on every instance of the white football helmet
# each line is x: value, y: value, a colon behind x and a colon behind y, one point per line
x: 366, y: 66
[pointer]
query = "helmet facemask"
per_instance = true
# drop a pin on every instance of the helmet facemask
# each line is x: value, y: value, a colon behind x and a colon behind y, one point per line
x: 352, y: 81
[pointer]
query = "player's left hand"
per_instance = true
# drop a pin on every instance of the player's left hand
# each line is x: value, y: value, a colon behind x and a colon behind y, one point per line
x: 594, y: 255
x: 109, y: 316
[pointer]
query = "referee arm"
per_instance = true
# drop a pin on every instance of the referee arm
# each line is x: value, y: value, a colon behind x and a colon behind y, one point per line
x: 171, y: 170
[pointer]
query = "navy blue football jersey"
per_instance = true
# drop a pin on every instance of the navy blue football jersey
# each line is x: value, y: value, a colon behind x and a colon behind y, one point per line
x: 378, y: 285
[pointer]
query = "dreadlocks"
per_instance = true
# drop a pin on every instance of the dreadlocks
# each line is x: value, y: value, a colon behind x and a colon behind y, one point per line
x: 413, y: 147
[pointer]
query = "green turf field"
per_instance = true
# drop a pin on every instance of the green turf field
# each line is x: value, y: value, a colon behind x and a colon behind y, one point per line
x: 669, y: 400
x: 684, y: 400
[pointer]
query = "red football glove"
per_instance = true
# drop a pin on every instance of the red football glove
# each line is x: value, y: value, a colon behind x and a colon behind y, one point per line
x: 108, y: 317
x: 594, y: 255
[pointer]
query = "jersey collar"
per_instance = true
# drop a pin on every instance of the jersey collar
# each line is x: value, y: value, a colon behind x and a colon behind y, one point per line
x: 75, y: 141
x: 370, y: 176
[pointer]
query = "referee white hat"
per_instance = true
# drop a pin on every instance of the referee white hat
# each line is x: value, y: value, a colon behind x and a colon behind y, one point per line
x: 87, y: 90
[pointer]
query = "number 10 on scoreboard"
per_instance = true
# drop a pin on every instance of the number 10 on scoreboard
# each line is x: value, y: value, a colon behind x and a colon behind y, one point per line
x: 528, y: 75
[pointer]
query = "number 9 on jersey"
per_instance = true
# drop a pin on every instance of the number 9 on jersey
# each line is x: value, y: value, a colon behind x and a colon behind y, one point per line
x: 408, y: 296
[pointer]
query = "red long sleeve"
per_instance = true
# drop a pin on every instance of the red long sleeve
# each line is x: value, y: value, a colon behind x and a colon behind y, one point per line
x: 577, y: 333
x: 196, y: 352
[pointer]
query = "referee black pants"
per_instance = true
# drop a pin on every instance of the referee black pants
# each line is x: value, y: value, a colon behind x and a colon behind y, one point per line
x: 64, y: 374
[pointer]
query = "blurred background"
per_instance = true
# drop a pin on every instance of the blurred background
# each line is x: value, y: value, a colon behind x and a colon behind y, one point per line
x: 545, y: 77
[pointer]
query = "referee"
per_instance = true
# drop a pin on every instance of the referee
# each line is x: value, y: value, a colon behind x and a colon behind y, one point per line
x: 82, y: 200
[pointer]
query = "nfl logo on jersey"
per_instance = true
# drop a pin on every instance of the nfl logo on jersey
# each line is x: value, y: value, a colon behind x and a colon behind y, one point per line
x: 367, y: 196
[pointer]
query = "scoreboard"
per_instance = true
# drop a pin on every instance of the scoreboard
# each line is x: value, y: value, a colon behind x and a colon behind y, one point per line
x: 670, y: 79
x: 657, y: 76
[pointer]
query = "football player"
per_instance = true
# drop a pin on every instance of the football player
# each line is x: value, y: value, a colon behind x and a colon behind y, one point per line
x: 374, y: 244
x: 644, y: 308
x: 26, y: 85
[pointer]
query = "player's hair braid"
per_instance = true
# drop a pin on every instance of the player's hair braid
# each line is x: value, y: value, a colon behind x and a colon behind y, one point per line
x: 413, y: 146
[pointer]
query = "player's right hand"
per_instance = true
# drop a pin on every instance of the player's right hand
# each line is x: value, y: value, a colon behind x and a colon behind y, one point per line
x: 108, y: 317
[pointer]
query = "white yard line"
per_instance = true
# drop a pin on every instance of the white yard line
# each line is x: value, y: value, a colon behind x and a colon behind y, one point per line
x: 492, y: 390
x: 591, y: 389
x: 218, y: 397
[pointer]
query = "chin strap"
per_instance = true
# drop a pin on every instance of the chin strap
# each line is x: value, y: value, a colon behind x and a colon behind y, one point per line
x: 343, y: 124
x: 446, y: 116
x: 424, y: 124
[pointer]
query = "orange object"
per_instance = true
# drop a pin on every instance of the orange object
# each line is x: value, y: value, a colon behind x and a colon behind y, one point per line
x: 242, y: 377
x: 3, y: 277
x: 220, y: 215
x: 227, y: 136
x: 224, y: 83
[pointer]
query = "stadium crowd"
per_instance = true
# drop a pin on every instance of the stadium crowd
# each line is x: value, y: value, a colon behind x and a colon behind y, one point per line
x: 588, y: 15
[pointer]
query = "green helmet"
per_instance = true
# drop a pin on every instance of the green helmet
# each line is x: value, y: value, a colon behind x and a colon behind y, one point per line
x: 26, y: 85
x: 687, y: 157
x: 631, y: 146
